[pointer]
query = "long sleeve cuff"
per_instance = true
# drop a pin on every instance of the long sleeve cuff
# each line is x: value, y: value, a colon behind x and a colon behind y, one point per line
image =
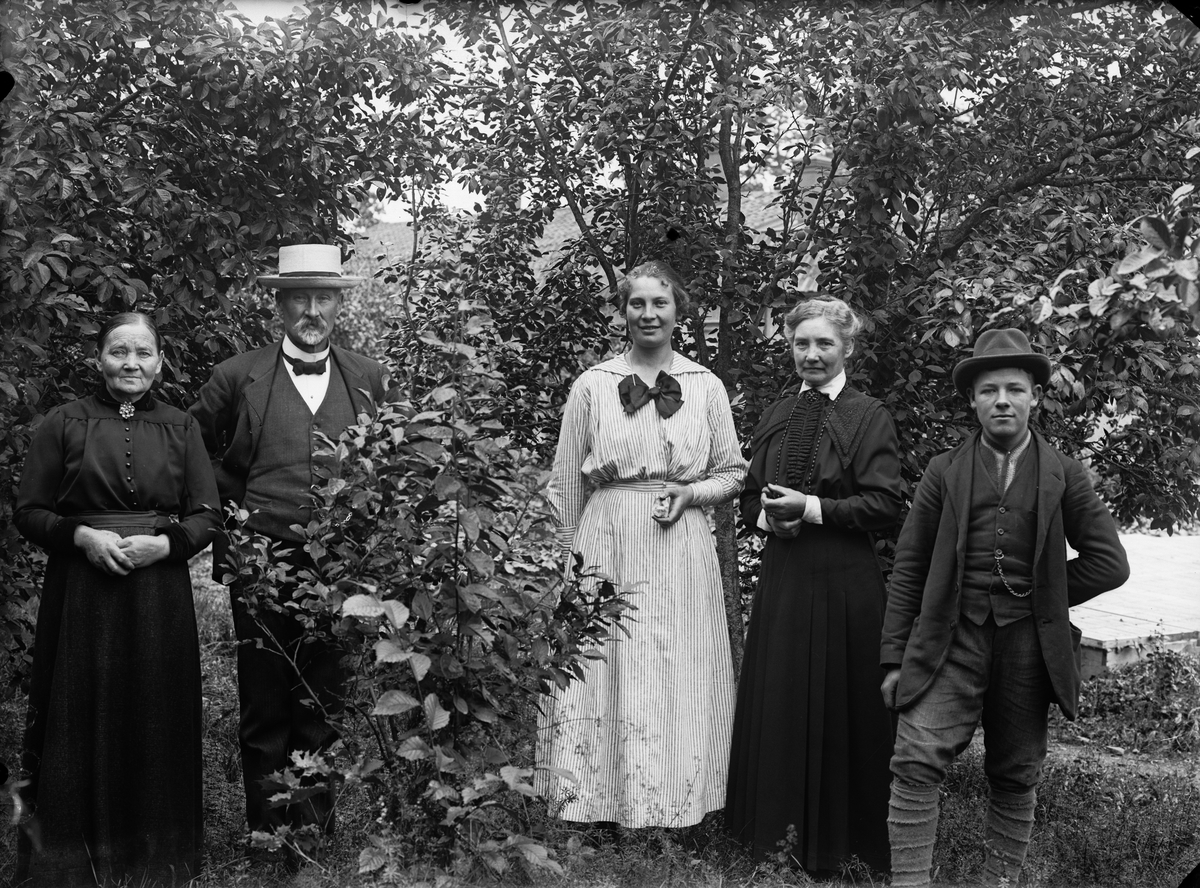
x: 62, y: 535
x: 812, y: 509
x: 714, y: 491
x: 178, y: 539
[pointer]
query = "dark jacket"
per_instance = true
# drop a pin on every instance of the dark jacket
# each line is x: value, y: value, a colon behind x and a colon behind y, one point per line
x: 233, y: 402
x: 924, y: 596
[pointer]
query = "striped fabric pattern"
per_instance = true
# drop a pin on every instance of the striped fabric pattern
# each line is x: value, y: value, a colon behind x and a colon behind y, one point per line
x: 645, y: 735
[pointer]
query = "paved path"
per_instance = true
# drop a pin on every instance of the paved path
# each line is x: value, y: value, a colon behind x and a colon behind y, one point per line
x: 1161, y: 598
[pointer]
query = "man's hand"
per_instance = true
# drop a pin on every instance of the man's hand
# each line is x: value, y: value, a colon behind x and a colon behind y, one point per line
x: 103, y: 549
x: 891, y: 681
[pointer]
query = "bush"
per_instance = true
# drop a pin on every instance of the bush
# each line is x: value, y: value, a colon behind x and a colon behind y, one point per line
x: 439, y: 575
x: 1150, y: 705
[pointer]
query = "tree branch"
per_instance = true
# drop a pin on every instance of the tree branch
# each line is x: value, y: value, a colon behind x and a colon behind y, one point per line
x: 107, y: 115
x: 1121, y: 136
x: 524, y: 93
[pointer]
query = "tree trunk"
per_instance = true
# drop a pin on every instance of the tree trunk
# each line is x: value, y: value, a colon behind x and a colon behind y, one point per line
x: 727, y: 553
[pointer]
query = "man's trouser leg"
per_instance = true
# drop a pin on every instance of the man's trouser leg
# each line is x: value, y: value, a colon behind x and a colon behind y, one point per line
x: 929, y: 735
x: 265, y: 677
x: 1016, y: 713
x: 281, y: 668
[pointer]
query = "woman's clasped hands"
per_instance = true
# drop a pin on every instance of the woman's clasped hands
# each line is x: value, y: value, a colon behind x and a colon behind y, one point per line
x: 117, y: 555
x: 784, y: 508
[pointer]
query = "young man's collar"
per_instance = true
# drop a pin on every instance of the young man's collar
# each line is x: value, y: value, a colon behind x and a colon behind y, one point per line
x: 1016, y: 450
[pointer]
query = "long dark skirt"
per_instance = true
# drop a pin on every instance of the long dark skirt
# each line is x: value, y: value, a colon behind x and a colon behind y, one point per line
x: 811, y: 736
x: 112, y: 741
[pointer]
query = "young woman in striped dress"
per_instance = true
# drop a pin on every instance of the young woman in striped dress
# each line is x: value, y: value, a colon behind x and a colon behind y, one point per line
x: 647, y: 440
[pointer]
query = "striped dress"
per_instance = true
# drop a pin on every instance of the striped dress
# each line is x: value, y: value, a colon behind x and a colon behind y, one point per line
x: 646, y: 733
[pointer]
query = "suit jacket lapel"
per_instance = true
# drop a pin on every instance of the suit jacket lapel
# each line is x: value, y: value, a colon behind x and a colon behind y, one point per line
x: 357, y: 384
x: 960, y: 477
x: 257, y: 391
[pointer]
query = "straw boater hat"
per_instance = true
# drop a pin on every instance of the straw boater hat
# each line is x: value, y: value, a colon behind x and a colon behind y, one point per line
x: 1000, y: 348
x: 309, y: 265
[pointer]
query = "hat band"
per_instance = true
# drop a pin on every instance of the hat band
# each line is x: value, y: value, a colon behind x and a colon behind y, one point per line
x: 311, y: 274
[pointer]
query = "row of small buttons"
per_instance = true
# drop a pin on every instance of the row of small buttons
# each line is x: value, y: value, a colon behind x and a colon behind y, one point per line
x: 129, y: 465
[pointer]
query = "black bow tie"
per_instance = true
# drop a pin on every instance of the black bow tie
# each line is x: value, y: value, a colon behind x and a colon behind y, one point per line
x: 301, y: 366
x: 665, y: 393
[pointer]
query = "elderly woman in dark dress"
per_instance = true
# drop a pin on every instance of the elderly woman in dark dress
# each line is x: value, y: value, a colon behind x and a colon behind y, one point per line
x: 811, y: 743
x: 118, y: 488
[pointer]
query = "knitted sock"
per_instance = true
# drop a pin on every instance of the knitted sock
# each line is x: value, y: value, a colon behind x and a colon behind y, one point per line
x: 912, y: 830
x: 1009, y: 823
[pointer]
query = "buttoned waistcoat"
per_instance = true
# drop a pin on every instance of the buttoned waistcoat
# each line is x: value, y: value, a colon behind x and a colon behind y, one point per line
x: 924, y: 595
x: 233, y: 404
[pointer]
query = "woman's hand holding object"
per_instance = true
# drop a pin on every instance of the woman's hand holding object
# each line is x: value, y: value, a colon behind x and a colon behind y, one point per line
x: 671, y: 503
x: 784, y: 508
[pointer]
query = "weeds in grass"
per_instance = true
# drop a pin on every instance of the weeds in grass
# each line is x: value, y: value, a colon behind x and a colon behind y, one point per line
x: 1152, y: 705
x: 1101, y: 819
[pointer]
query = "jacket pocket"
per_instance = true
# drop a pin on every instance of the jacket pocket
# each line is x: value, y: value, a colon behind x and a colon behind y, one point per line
x: 1076, y: 647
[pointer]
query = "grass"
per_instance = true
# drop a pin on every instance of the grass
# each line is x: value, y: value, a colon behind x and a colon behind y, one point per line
x: 1104, y: 818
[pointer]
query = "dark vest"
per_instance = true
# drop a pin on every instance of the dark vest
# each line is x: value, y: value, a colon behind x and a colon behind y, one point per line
x: 1006, y: 524
x: 281, y: 475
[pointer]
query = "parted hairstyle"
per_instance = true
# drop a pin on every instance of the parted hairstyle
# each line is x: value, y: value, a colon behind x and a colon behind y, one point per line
x: 133, y: 318
x: 847, y: 321
x: 661, y: 271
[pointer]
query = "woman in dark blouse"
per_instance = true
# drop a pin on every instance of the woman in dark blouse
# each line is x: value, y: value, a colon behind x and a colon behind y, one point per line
x: 808, y: 773
x: 118, y: 489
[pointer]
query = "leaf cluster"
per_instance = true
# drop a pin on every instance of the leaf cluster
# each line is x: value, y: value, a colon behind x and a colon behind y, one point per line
x: 434, y: 567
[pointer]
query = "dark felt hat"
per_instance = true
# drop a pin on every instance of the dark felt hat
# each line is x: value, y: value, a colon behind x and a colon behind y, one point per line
x: 1001, y: 348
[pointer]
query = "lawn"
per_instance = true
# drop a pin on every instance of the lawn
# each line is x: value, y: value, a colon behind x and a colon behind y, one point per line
x: 1120, y: 804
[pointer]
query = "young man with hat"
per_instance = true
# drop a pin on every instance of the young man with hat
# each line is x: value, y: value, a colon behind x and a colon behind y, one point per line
x: 260, y: 415
x: 977, y: 625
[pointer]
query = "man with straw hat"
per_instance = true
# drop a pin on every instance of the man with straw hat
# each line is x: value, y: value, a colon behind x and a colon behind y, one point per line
x: 262, y: 414
x: 977, y: 624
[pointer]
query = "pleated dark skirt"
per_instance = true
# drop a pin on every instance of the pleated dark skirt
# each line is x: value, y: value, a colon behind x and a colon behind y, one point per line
x: 112, y: 741
x: 811, y: 736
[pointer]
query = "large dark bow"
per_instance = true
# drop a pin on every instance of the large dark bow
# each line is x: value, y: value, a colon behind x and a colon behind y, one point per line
x: 666, y: 394
x: 303, y: 367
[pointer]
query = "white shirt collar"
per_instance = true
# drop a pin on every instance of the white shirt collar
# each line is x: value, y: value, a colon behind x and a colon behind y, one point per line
x: 833, y: 388
x: 293, y: 351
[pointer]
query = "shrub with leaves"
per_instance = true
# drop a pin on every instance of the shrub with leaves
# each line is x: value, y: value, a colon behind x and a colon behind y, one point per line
x: 438, y: 571
x: 1151, y: 705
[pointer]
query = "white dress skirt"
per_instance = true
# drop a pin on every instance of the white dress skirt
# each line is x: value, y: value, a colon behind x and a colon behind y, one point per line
x: 644, y: 737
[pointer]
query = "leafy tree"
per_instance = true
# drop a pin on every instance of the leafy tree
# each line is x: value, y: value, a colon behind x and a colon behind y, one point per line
x: 987, y: 162
x: 156, y: 153
x: 1003, y: 164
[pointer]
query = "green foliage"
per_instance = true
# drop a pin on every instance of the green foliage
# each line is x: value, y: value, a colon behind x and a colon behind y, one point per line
x: 967, y: 189
x: 988, y: 166
x: 1152, y: 705
x: 156, y: 152
x: 435, y: 565
x: 1098, y: 822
